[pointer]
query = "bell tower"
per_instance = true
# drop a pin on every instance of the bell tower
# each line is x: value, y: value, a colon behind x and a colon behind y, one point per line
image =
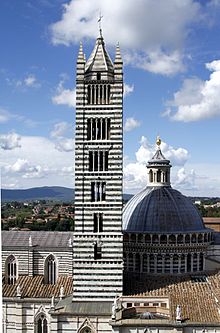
x: 98, y: 245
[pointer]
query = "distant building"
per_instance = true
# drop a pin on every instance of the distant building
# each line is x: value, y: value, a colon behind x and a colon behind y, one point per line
x: 153, y: 268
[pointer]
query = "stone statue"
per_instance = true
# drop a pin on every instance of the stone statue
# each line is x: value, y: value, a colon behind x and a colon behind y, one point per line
x: 61, y: 292
x: 52, y: 302
x: 178, y: 313
x: 70, y: 242
x: 18, y: 291
x: 115, y: 306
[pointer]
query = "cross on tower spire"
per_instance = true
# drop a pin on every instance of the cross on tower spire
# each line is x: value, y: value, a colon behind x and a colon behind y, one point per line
x: 100, y: 23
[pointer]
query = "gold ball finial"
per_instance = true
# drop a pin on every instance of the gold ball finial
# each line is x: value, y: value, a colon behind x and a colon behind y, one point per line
x: 158, y: 142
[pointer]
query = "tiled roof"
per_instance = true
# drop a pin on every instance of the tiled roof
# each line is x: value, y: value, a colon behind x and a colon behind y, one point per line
x: 35, y: 287
x: 39, y: 238
x: 66, y: 305
x: 199, y: 300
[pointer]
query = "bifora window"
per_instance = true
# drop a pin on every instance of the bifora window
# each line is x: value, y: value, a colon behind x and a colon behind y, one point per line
x: 98, y: 222
x: 97, y: 251
x: 11, y: 270
x: 42, y: 326
x: 98, y: 191
x: 50, y: 270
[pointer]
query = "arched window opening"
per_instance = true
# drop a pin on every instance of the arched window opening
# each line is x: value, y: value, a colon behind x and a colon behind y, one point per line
x: 179, y: 239
x: 158, y: 176
x: 155, y: 239
x: 167, y: 264
x: 130, y: 262
x: 187, y: 239
x: 151, y: 179
x: 50, y: 270
x: 152, y: 265
x: 188, y: 262
x: 163, y: 239
x: 193, y: 238
x: 11, y: 270
x: 201, y: 257
x: 159, y: 263
x: 195, y: 262
x: 148, y: 239
x: 42, y: 325
x: 140, y: 238
x: 175, y: 263
x: 133, y: 238
x: 145, y: 263
x: 182, y: 263
x: 200, y: 238
x: 137, y: 262
x: 172, y: 239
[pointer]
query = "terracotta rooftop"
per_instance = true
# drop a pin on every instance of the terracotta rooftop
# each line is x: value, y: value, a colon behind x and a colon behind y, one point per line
x: 35, y: 287
x: 199, y: 297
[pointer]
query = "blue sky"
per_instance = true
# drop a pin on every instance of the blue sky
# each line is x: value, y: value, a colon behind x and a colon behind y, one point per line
x: 171, y: 59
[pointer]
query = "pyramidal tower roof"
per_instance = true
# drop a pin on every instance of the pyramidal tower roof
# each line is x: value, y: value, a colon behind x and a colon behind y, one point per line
x: 99, y: 59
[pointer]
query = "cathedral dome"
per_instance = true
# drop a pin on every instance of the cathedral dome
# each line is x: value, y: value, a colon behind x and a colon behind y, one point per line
x: 161, y: 210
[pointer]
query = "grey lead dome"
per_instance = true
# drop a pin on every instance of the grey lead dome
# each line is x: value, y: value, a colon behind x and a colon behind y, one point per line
x: 161, y: 210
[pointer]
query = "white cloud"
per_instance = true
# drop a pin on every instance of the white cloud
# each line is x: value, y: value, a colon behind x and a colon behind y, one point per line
x: 65, y: 145
x: 26, y: 169
x: 157, y: 61
x: 31, y: 81
x: 157, y: 46
x: 36, y: 163
x: 60, y: 129
x: 131, y: 124
x: 185, y: 181
x: 197, y: 99
x: 64, y: 96
x: 128, y: 89
x: 135, y: 172
x: 10, y: 141
x: 4, y: 116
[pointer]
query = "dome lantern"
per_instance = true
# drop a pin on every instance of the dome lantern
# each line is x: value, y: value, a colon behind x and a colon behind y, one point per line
x: 159, y: 168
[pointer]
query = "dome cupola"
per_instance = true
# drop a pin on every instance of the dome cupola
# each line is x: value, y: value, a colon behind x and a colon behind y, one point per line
x: 159, y: 168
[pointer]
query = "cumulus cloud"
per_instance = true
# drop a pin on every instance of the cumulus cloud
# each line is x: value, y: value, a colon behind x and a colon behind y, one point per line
x: 65, y: 145
x: 157, y: 47
x: 197, y: 99
x: 60, y: 129
x: 10, y: 141
x: 37, y: 163
x: 24, y: 167
x: 64, y: 96
x: 130, y: 124
x: 184, y: 180
x: 128, y: 89
x: 135, y: 172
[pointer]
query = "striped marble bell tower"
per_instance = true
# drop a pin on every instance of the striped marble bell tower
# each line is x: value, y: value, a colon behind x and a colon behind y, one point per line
x: 98, y: 247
